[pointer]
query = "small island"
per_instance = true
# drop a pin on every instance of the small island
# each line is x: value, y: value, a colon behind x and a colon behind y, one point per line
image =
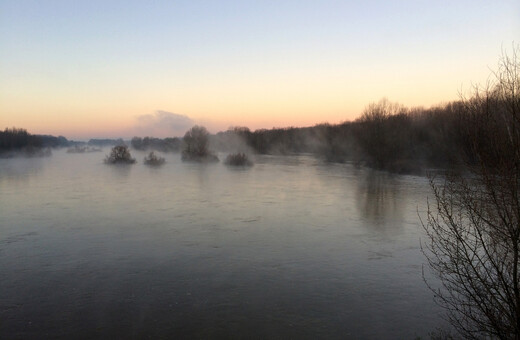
x: 119, y: 155
x: 238, y: 159
x: 195, y: 149
x: 153, y: 160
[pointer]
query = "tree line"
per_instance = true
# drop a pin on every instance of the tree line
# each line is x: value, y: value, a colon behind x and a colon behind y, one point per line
x: 472, y: 228
x: 17, y: 139
x: 387, y: 136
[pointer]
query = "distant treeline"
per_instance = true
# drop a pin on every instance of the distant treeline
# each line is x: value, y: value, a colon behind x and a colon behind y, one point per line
x: 105, y: 142
x: 15, y: 139
x: 151, y: 143
x: 387, y: 136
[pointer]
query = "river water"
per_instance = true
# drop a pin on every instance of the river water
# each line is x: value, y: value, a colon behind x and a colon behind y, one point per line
x: 290, y: 248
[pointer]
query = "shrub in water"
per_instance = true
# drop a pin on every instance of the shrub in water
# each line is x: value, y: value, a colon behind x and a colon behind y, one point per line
x: 119, y: 155
x: 196, y: 141
x: 153, y: 159
x: 238, y: 159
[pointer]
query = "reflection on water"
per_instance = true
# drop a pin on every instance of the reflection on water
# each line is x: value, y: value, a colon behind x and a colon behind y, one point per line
x: 379, y: 200
x: 290, y: 248
x: 120, y: 172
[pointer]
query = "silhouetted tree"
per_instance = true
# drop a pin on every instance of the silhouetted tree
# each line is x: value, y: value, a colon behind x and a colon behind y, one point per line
x: 196, y: 142
x: 473, y: 230
x: 137, y: 143
x: 119, y: 155
x: 19, y: 141
x: 377, y: 132
x: 53, y: 141
x: 16, y: 139
x: 238, y: 159
x: 153, y: 159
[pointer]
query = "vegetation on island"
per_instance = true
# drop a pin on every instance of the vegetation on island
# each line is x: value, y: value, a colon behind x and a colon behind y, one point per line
x: 153, y: 159
x: 196, y: 146
x: 120, y: 154
x: 238, y: 159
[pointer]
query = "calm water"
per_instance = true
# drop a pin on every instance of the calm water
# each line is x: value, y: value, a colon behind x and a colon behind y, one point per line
x: 291, y: 248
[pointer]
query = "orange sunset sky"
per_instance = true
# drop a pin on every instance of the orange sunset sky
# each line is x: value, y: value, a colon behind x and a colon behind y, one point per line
x: 91, y: 69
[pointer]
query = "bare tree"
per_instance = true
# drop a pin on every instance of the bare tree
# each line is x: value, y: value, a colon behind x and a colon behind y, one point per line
x: 196, y: 142
x: 377, y: 135
x: 153, y: 159
x: 378, y: 112
x: 119, y: 154
x: 473, y: 229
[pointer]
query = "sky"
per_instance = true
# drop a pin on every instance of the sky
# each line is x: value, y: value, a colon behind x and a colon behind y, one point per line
x: 100, y: 69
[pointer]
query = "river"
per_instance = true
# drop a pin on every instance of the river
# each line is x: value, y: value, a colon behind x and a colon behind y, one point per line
x: 292, y: 247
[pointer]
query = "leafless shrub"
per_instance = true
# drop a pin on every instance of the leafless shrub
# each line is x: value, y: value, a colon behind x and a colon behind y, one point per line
x: 473, y: 227
x: 196, y: 141
x: 119, y: 155
x: 238, y: 159
x: 153, y: 159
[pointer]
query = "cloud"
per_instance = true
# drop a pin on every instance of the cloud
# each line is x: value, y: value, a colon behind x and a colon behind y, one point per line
x: 163, y: 124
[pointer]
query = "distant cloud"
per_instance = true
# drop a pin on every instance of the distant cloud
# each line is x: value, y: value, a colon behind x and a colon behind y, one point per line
x: 163, y: 124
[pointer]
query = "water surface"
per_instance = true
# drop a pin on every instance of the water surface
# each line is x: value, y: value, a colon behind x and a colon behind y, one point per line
x: 290, y: 248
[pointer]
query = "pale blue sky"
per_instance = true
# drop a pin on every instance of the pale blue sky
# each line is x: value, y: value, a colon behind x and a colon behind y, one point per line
x: 68, y: 64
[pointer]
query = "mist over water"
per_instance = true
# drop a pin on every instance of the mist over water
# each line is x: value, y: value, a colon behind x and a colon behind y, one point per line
x: 292, y: 247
